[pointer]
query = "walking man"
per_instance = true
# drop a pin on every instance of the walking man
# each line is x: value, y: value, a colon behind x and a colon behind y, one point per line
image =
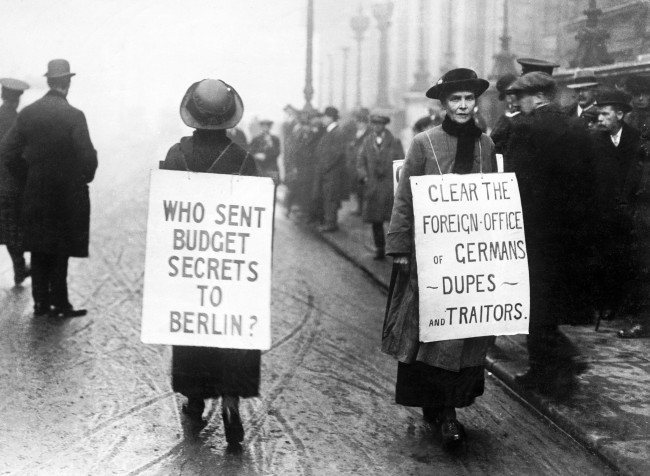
x: 50, y: 150
x: 11, y: 231
x: 265, y: 149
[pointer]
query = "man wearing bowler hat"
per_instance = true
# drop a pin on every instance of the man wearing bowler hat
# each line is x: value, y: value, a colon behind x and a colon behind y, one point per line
x: 11, y: 230
x: 50, y: 151
x: 585, y: 85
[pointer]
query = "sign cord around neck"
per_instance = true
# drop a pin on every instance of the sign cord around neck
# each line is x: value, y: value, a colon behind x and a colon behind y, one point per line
x: 434, y: 155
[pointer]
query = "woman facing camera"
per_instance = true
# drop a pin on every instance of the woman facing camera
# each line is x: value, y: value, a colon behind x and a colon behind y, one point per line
x: 211, y: 107
x: 436, y: 376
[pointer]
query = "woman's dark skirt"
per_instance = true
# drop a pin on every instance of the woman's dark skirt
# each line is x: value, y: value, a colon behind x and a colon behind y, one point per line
x: 421, y: 385
x: 206, y: 372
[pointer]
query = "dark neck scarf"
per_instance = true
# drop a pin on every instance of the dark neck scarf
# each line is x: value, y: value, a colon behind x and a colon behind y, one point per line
x: 467, y: 134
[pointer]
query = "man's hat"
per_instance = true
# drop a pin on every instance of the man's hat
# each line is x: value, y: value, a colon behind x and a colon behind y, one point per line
x: 583, y: 78
x: 332, y: 112
x: 378, y: 118
x: 460, y: 79
x: 637, y: 84
x: 503, y: 83
x: 12, y: 88
x: 614, y: 97
x: 532, y: 83
x: 58, y: 68
x: 528, y: 65
x: 361, y: 114
x: 211, y: 104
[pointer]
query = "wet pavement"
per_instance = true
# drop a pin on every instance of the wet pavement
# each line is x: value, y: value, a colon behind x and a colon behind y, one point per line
x: 608, y: 407
x: 86, y: 397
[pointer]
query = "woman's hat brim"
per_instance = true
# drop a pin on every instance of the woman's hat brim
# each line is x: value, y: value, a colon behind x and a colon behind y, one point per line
x: 191, y: 121
x: 439, y: 91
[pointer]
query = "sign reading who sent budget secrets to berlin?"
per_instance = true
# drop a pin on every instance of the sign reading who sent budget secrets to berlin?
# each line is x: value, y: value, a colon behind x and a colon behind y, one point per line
x: 471, y: 256
x: 208, y: 261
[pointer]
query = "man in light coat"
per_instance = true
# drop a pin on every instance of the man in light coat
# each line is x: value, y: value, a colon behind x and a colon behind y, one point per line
x: 50, y: 150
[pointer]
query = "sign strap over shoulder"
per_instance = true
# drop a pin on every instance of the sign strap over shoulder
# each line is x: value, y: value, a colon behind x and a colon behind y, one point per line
x: 219, y: 158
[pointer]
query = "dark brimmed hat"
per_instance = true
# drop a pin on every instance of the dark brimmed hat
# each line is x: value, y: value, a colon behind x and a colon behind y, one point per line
x: 378, y: 118
x: 637, y: 84
x: 583, y: 78
x: 12, y: 89
x: 211, y: 104
x: 528, y: 65
x: 460, y: 79
x: 532, y: 83
x: 503, y: 83
x: 361, y: 114
x: 332, y: 112
x: 58, y: 68
x: 614, y: 97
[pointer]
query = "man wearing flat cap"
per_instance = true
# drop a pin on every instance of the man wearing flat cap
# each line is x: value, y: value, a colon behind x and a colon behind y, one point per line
x: 330, y: 170
x: 617, y: 148
x: 552, y: 157
x: 375, y: 171
x: 50, y: 151
x: 11, y: 190
x: 585, y: 85
x: 265, y: 149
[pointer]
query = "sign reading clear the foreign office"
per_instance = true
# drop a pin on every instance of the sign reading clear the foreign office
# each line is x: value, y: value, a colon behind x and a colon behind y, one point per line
x: 471, y: 256
x: 207, y: 275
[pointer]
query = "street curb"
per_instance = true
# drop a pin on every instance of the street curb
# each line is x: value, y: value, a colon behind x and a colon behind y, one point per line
x: 591, y: 443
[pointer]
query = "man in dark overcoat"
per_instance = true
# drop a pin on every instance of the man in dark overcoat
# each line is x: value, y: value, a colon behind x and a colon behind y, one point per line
x: 552, y: 157
x: 50, y: 149
x: 11, y: 230
x: 354, y: 146
x: 330, y: 169
x: 265, y: 149
x: 617, y: 148
x: 375, y: 171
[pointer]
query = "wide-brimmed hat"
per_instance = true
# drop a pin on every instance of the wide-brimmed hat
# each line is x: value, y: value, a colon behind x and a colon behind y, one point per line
x: 503, y: 83
x: 460, y: 79
x: 211, y: 104
x: 637, y: 84
x: 583, y: 78
x: 331, y: 111
x: 58, y: 68
x: 532, y: 83
x: 379, y: 118
x: 528, y: 65
x: 614, y: 97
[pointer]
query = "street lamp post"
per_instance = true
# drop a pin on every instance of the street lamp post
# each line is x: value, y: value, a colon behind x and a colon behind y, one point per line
x: 422, y: 74
x: 382, y: 13
x: 359, y: 24
x: 344, y: 87
x: 309, y: 88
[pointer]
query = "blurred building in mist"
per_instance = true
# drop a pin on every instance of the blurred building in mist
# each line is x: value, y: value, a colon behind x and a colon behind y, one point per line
x: 428, y: 37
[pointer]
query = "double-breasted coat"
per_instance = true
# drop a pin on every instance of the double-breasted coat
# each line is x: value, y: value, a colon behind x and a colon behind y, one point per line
x: 375, y: 163
x: 400, y: 336
x: 50, y: 151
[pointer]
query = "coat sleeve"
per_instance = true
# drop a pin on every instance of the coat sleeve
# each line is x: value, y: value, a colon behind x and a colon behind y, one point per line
x: 83, y: 147
x: 362, y: 163
x: 11, y: 152
x: 399, y: 239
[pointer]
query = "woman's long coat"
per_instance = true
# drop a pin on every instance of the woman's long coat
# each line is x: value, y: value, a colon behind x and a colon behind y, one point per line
x: 49, y: 148
x: 375, y: 163
x: 208, y: 372
x: 401, y: 326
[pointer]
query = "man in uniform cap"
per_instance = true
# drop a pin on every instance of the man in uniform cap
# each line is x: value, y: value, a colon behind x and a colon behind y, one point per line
x: 330, y: 170
x: 552, y: 157
x: 11, y: 230
x: 585, y: 85
x: 528, y: 65
x: 50, y: 149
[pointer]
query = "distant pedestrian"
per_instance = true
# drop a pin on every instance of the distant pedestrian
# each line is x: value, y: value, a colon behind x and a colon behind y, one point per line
x: 50, y: 150
x: 552, y: 157
x: 639, y: 117
x: 238, y: 137
x: 503, y: 127
x: 431, y: 120
x: 265, y: 149
x: 211, y: 107
x: 330, y: 169
x: 437, y: 376
x: 11, y: 190
x: 354, y: 146
x: 308, y: 136
x: 375, y: 171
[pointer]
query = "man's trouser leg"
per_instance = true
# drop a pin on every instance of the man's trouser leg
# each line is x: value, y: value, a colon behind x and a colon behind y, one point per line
x: 59, y: 282
x: 331, y: 209
x: 41, y: 269
x: 379, y: 236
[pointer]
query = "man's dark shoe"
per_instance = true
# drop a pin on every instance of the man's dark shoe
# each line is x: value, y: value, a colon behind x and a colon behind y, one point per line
x: 21, y: 275
x: 637, y: 331
x: 232, y: 425
x: 67, y: 312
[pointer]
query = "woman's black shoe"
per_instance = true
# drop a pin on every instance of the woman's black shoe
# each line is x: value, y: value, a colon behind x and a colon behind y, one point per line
x: 232, y: 425
x: 193, y: 408
x: 452, y: 432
